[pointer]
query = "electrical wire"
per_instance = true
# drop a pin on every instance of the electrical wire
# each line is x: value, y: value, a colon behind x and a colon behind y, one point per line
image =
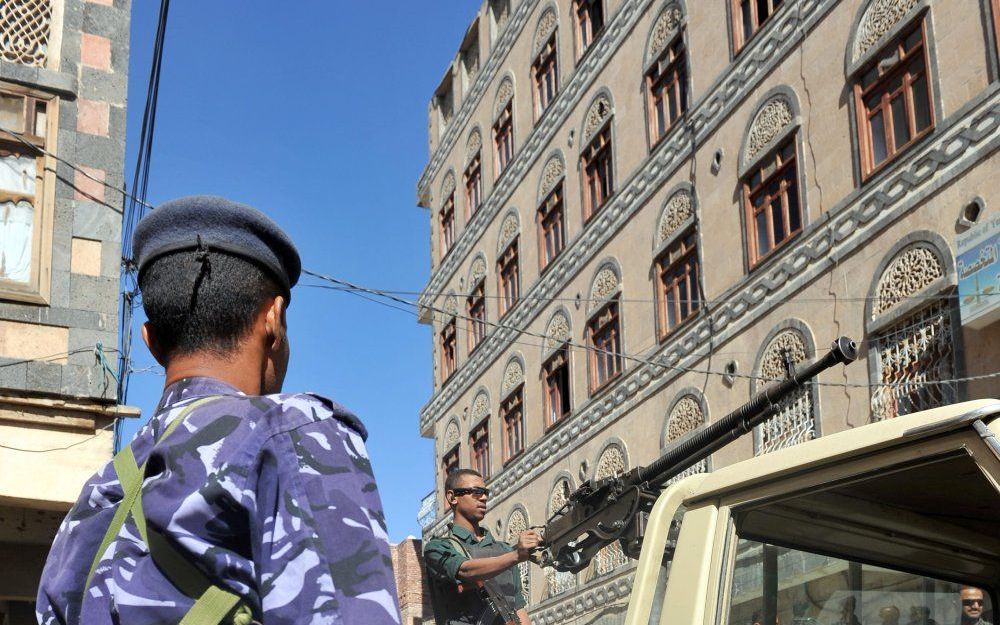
x: 359, y: 290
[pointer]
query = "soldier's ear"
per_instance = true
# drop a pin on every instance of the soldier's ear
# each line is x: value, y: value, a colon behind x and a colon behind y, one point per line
x: 274, y: 322
x: 153, y: 343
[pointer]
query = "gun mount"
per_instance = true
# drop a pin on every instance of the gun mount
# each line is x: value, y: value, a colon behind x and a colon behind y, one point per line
x: 615, y: 508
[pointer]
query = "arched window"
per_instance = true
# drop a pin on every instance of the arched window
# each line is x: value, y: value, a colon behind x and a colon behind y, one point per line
x: 686, y: 415
x: 556, y: 369
x: 911, y: 333
x: 596, y: 159
x: 450, y: 443
x: 604, y: 328
x: 666, y: 73
x: 512, y: 409
x: 517, y: 523
x: 678, y: 279
x: 892, y: 86
x: 795, y: 421
x: 612, y: 462
x: 473, y: 176
x: 447, y: 213
x: 508, y: 264
x: 769, y: 172
x: 550, y: 215
x: 748, y: 17
x: 503, y: 126
x: 545, y: 67
x: 558, y: 581
x: 479, y: 435
x: 589, y: 16
x: 475, y: 304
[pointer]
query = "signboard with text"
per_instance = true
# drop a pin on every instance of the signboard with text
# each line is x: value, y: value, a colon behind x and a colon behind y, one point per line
x: 979, y: 273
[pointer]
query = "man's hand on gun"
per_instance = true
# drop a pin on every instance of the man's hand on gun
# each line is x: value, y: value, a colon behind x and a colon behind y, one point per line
x: 528, y: 542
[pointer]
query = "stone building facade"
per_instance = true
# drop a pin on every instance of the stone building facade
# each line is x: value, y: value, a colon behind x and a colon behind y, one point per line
x: 63, y: 76
x: 642, y: 211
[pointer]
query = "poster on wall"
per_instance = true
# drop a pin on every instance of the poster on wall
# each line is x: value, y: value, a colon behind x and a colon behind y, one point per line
x: 979, y: 273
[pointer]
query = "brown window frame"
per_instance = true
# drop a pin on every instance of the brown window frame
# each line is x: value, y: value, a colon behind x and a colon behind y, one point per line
x: 512, y: 419
x: 473, y: 179
x: 996, y: 26
x: 667, y: 75
x: 584, y: 13
x: 606, y: 350
x: 479, y: 448
x: 556, y: 381
x: 449, y: 351
x: 776, y: 167
x: 545, y: 76
x: 597, y: 159
x: 678, y: 273
x: 551, y: 219
x: 875, y: 79
x: 503, y: 139
x: 740, y: 36
x: 508, y: 278
x: 447, y: 219
x: 450, y: 460
x: 39, y: 114
x: 475, y: 306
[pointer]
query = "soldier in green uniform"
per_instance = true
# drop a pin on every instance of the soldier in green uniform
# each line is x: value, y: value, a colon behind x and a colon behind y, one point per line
x: 469, y: 556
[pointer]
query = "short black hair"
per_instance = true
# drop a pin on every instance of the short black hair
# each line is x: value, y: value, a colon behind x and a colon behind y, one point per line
x: 451, y: 482
x: 195, y: 305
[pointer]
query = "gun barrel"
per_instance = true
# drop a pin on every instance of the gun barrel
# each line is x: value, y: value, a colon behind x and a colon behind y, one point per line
x: 730, y: 427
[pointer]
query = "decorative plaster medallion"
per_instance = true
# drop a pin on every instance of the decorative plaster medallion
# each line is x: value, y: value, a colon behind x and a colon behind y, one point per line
x: 451, y: 436
x: 447, y: 186
x: 26, y: 25
x: 605, y: 285
x: 685, y: 417
x: 480, y: 408
x: 451, y: 305
x: 473, y: 144
x: 676, y: 212
x: 772, y: 363
x: 478, y: 271
x: 599, y: 112
x: 516, y: 524
x: 663, y: 31
x: 611, y: 463
x: 557, y: 331
x: 547, y: 25
x: 878, y: 19
x: 770, y: 120
x: 508, y: 230
x: 504, y: 93
x: 552, y: 173
x: 911, y: 271
x: 513, y: 376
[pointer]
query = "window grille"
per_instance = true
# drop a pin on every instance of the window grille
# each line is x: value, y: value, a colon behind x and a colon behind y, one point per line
x: 796, y: 419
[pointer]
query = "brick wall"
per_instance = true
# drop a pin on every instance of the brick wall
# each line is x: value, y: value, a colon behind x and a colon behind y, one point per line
x: 411, y: 581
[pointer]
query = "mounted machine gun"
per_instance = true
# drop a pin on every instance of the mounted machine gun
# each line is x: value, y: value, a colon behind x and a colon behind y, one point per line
x: 615, y: 509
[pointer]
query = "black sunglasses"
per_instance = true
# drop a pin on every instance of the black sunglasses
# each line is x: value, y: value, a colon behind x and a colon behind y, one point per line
x: 972, y: 601
x: 478, y: 491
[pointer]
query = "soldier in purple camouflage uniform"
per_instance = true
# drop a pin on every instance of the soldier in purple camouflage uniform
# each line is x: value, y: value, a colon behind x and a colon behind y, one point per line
x: 270, y: 495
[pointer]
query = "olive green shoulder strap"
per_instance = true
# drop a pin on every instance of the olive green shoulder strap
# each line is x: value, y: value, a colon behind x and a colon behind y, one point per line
x: 212, y: 603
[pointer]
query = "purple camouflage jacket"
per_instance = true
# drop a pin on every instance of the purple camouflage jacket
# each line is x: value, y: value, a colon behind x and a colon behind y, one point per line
x: 272, y: 496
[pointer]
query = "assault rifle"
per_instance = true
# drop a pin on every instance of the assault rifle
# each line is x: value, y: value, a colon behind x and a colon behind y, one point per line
x: 613, y: 509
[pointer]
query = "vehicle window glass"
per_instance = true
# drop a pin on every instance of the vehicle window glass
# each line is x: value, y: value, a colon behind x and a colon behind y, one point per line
x: 774, y: 585
x: 664, y: 573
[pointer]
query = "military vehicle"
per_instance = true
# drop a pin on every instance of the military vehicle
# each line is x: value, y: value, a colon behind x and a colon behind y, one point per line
x: 885, y: 524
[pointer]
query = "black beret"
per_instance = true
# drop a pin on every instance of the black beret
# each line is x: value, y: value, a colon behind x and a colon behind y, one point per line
x: 217, y: 224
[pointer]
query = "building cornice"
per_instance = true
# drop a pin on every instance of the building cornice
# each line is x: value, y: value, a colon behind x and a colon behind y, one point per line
x: 756, y: 62
x: 472, y: 99
x: 963, y: 140
x: 539, y: 138
x: 597, y: 594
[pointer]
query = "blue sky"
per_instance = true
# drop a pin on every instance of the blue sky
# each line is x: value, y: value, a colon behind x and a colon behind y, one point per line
x: 317, y: 114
